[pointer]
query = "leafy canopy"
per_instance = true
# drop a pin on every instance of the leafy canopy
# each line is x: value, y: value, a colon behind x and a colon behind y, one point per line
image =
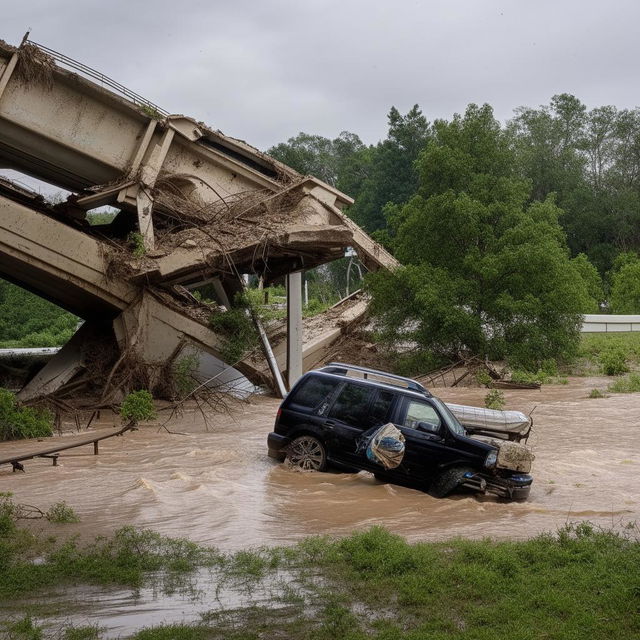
x: 486, y: 271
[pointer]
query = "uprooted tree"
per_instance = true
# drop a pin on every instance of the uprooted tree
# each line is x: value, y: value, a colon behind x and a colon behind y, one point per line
x: 487, y: 271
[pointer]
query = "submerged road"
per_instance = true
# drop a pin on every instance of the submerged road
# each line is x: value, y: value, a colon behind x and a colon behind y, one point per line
x: 215, y: 484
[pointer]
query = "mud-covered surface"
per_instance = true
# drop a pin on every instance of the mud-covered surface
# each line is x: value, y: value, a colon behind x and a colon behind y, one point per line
x: 219, y: 487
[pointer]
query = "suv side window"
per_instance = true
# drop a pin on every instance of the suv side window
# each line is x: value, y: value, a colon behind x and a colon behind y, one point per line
x: 314, y: 393
x: 351, y: 406
x: 379, y: 413
x: 418, y: 411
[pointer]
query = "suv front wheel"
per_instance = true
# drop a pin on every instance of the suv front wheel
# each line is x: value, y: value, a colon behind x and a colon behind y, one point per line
x: 307, y: 453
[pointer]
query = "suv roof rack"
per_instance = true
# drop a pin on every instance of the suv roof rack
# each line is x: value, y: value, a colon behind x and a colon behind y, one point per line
x: 342, y: 369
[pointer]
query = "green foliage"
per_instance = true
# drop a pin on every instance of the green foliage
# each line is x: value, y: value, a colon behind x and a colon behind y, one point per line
x: 627, y: 384
x: 494, y: 400
x: 613, y: 362
x: 582, y: 580
x: 22, y: 422
x: 328, y: 160
x: 23, y: 629
x: 238, y: 329
x: 101, y: 217
x: 596, y: 393
x: 625, y: 285
x: 183, y: 374
x: 136, y: 244
x: 485, y: 271
x: 483, y: 378
x: 27, y: 320
x: 592, y: 280
x: 61, y: 513
x: 7, y: 515
x: 137, y: 407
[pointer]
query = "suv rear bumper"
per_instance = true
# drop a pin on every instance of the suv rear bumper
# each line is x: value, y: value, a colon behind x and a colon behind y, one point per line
x: 277, y: 445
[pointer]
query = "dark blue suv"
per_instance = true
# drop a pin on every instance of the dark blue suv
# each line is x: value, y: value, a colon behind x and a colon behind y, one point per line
x: 328, y: 413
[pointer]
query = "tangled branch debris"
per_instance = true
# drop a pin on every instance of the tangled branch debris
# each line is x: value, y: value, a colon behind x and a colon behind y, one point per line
x: 35, y: 66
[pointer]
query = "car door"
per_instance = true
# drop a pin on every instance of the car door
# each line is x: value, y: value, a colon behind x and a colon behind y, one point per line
x: 346, y: 420
x: 424, y: 450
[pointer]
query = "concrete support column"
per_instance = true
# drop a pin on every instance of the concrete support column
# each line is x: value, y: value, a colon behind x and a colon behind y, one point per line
x: 294, y: 327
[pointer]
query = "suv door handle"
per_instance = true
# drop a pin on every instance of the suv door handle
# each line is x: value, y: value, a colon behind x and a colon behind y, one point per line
x: 329, y: 424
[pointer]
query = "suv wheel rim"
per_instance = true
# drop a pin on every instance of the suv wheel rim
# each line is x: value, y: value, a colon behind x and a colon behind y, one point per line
x: 307, y: 454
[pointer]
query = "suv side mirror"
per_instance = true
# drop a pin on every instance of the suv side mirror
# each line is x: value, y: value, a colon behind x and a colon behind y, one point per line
x: 429, y: 427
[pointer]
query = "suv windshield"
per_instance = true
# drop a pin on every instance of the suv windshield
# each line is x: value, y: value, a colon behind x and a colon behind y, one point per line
x: 450, y: 419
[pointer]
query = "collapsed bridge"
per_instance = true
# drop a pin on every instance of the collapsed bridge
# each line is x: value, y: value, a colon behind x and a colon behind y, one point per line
x: 203, y: 208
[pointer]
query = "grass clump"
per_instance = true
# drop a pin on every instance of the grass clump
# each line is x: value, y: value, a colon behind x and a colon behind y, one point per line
x: 136, y: 244
x: 494, y: 400
x: 627, y: 384
x: 61, y: 513
x: 596, y: 393
x: 137, y: 406
x: 22, y: 422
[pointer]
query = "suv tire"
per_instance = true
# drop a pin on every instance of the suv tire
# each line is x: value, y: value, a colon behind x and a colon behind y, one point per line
x: 307, y: 453
x: 447, y: 482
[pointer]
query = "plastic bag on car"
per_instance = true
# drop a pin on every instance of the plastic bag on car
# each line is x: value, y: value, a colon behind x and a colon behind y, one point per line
x: 386, y: 446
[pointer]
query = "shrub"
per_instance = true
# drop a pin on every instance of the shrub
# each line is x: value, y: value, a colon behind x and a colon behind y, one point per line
x: 239, y: 332
x: 183, y: 377
x: 483, y: 378
x: 613, y: 362
x: 136, y: 242
x: 628, y: 384
x: 596, y: 393
x: 138, y: 406
x: 7, y: 514
x: 494, y: 399
x: 22, y: 422
x: 61, y: 512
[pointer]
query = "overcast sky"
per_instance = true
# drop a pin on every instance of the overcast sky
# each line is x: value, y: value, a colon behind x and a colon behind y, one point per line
x: 265, y: 70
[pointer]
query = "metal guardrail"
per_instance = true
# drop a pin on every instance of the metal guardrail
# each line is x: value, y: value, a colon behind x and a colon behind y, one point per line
x: 610, y: 323
x: 105, y: 81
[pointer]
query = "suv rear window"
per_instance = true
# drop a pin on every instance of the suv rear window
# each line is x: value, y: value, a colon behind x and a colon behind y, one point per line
x: 313, y: 392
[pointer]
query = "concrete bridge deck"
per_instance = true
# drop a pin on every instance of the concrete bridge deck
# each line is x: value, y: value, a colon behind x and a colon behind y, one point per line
x: 207, y: 207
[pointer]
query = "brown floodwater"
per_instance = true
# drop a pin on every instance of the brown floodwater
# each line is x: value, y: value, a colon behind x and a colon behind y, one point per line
x: 215, y: 484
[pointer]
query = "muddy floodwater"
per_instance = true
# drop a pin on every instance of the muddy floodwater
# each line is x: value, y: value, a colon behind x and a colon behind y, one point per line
x: 215, y: 484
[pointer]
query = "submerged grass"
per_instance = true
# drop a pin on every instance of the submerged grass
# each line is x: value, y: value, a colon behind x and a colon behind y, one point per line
x: 580, y: 582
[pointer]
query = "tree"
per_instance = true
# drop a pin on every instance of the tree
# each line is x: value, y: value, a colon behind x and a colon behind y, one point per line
x: 328, y: 160
x: 486, y: 271
x: 391, y: 175
x: 625, y: 284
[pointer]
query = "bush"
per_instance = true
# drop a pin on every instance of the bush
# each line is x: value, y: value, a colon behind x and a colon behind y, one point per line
x: 61, y: 512
x: 596, y: 393
x: 494, y: 400
x: 240, y: 335
x: 613, y: 362
x: 7, y: 514
x: 629, y: 384
x: 22, y: 422
x: 138, y: 406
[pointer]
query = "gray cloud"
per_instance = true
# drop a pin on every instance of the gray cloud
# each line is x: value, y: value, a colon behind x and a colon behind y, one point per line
x: 264, y: 70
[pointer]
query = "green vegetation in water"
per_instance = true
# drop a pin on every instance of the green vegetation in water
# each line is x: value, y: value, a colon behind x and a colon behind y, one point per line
x: 183, y: 373
x: 61, y: 512
x: 579, y: 582
x: 627, y: 384
x: 596, y: 393
x: 605, y: 352
x: 22, y: 422
x: 137, y: 407
x: 494, y: 400
x: 136, y: 243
